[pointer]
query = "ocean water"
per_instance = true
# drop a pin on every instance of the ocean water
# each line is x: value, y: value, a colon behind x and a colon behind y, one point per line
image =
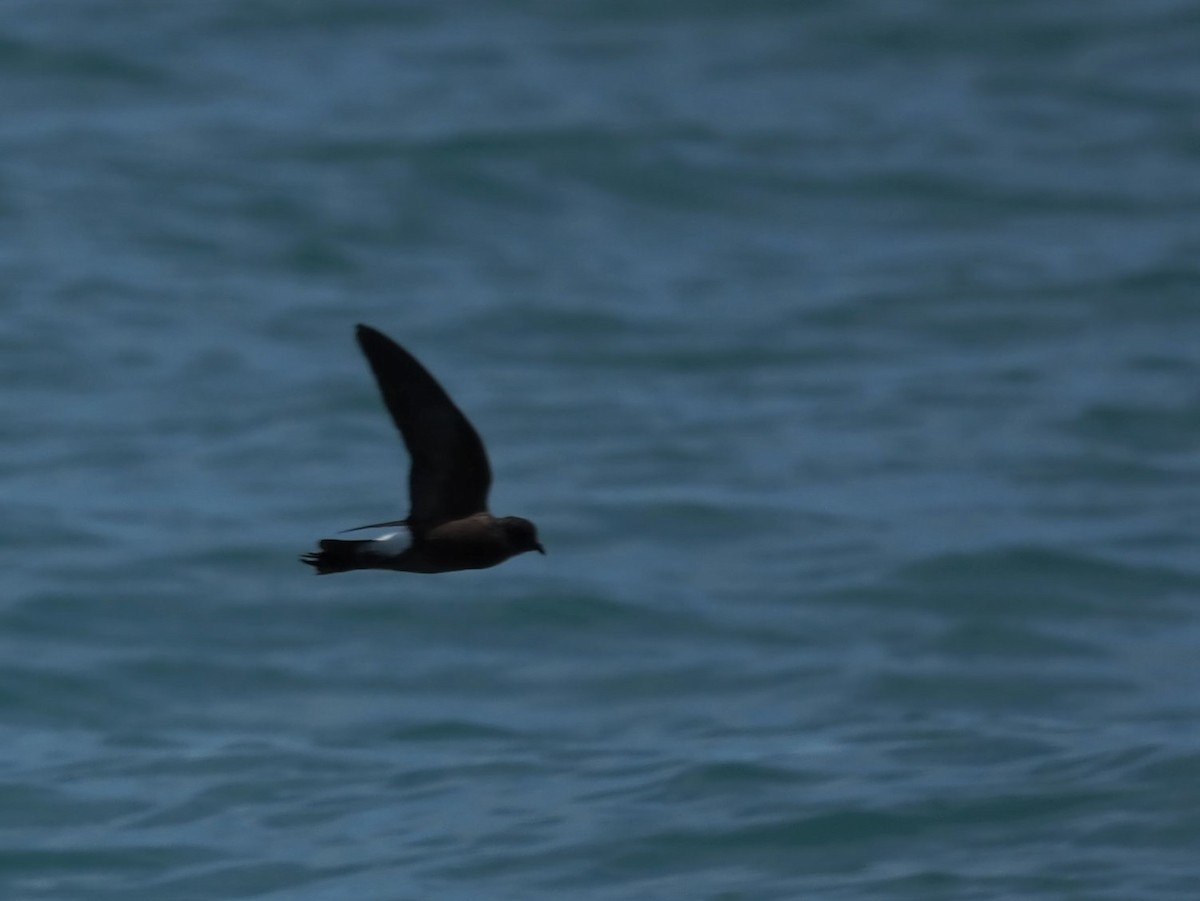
x: 844, y: 353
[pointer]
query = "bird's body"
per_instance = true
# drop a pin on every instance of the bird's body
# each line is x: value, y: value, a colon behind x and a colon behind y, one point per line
x: 448, y: 527
x: 474, y: 542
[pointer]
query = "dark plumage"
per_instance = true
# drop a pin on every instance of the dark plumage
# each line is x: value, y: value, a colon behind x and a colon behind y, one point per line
x: 448, y: 526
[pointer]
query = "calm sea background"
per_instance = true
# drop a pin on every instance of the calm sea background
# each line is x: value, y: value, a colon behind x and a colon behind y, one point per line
x: 846, y: 355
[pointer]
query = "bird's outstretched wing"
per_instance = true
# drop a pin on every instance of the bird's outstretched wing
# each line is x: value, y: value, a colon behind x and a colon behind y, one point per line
x: 450, y: 475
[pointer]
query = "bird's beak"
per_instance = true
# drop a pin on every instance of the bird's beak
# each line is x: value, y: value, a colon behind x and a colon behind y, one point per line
x: 541, y: 550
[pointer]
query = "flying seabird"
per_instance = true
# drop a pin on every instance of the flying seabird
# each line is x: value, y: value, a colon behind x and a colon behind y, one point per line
x: 448, y: 526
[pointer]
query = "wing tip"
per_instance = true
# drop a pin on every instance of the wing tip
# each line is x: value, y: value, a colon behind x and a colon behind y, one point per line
x: 372, y: 341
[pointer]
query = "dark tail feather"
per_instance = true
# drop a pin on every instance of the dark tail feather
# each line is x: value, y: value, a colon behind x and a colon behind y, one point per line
x: 335, y: 556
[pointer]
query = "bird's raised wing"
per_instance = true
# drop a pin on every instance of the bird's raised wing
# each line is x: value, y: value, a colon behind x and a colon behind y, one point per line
x: 450, y: 475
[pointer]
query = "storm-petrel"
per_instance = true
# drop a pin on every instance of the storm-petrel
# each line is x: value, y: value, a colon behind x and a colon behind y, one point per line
x: 448, y: 525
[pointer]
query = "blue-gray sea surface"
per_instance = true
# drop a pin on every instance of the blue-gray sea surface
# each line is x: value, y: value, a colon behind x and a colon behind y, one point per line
x: 847, y: 356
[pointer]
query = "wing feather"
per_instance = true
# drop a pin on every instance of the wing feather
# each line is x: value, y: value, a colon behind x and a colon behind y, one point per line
x: 450, y: 476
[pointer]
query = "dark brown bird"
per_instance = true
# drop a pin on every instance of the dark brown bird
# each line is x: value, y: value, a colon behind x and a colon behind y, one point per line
x: 448, y: 526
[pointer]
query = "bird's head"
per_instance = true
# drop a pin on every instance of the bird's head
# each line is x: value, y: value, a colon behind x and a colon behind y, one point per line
x: 522, y: 534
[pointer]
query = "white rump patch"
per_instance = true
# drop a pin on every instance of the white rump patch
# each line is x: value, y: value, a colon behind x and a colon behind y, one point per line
x: 392, y: 543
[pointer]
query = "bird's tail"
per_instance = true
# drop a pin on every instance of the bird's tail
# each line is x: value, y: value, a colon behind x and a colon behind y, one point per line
x: 335, y: 556
x: 339, y: 555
